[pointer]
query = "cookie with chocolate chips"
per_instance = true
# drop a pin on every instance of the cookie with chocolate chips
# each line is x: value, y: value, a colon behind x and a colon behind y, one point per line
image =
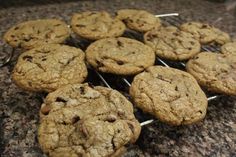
x: 49, y: 67
x: 30, y: 34
x: 96, y: 25
x: 120, y: 55
x: 205, y: 33
x: 215, y: 71
x: 172, y: 43
x: 78, y: 120
x: 171, y: 95
x: 138, y: 20
x: 229, y: 48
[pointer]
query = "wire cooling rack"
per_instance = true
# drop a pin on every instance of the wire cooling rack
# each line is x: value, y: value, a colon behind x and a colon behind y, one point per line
x: 167, y: 19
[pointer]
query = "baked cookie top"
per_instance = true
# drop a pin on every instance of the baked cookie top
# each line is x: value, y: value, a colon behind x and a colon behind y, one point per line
x: 120, y: 55
x: 96, y: 25
x: 229, y: 48
x: 171, y: 95
x: 205, y: 33
x: 215, y: 71
x: 172, y: 43
x: 49, y: 67
x: 78, y: 120
x: 138, y: 20
x: 30, y: 34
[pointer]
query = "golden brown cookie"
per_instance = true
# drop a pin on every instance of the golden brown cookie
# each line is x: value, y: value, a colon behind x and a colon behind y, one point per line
x: 96, y: 25
x: 31, y: 34
x: 173, y: 96
x: 120, y: 55
x: 206, y: 33
x: 215, y: 71
x: 139, y: 20
x: 229, y: 48
x: 49, y: 67
x: 78, y: 120
x: 172, y: 43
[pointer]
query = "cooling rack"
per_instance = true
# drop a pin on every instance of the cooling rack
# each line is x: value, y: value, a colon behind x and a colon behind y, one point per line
x: 167, y: 19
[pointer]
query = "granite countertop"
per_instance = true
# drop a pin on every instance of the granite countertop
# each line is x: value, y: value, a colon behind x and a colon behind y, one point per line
x: 214, y: 136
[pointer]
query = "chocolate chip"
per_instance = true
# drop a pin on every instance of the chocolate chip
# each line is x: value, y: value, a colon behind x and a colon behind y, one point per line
x: 113, y: 143
x: 16, y: 28
x: 13, y: 36
x: 30, y: 84
x: 80, y: 25
x: 27, y: 39
x: 204, y: 26
x: 189, y: 48
x: 131, y: 127
x: 82, y: 91
x: 44, y: 59
x: 119, y: 62
x: 28, y: 58
x: 192, y: 43
x: 176, y: 88
x: 57, y: 24
x: 99, y: 64
x: 111, y: 118
x: 60, y: 99
x: 75, y: 119
x: 119, y: 43
x: 176, y: 34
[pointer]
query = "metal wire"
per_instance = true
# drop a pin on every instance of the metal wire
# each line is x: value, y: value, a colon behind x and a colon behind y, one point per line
x: 8, y: 57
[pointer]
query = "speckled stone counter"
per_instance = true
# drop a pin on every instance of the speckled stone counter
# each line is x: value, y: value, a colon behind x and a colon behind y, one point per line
x: 214, y: 136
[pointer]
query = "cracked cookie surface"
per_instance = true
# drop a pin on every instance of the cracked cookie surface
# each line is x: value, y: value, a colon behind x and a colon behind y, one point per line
x: 215, y: 71
x: 172, y: 43
x: 120, y: 55
x: 171, y: 95
x: 139, y: 20
x: 205, y: 33
x: 31, y: 34
x: 229, y: 48
x: 81, y: 121
x: 96, y: 25
x: 49, y: 67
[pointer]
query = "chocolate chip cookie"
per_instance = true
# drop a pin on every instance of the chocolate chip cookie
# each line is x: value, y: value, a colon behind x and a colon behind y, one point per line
x: 229, y: 48
x: 171, y: 95
x: 120, y: 55
x: 78, y: 120
x: 96, y: 25
x: 30, y: 34
x: 215, y: 71
x: 139, y: 20
x: 172, y: 43
x: 49, y: 67
x: 206, y: 33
